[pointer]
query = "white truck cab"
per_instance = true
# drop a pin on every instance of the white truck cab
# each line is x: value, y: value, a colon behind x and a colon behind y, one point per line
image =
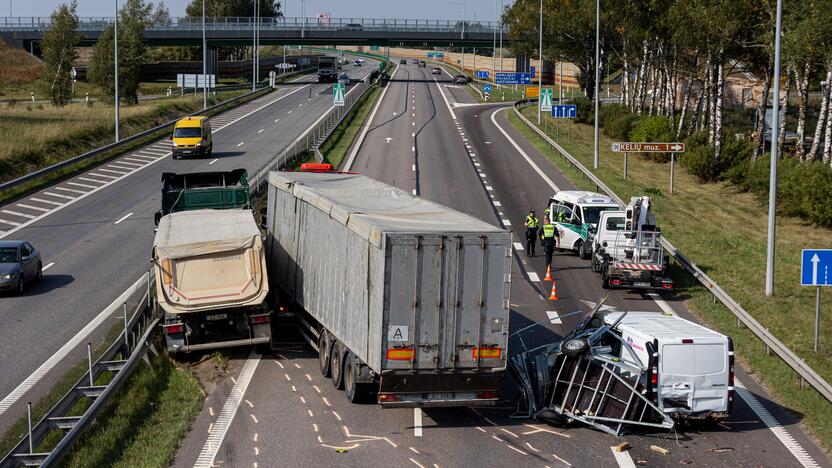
x: 691, y: 368
x: 576, y: 214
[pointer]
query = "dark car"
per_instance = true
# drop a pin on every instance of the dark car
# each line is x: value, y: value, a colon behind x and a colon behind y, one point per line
x: 422, y: 64
x: 344, y: 79
x: 403, y: 61
x: 356, y: 63
x: 436, y: 71
x: 460, y: 79
x: 351, y: 27
x: 20, y: 263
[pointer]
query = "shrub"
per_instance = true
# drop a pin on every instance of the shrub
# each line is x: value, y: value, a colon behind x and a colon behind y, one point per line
x: 585, y: 111
x: 620, y: 127
x: 653, y: 128
x: 736, y: 154
x: 803, y: 189
x: 698, y: 160
x: 612, y: 112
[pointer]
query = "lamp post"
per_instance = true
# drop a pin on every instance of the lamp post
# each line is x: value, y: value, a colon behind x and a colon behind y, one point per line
x: 772, y: 177
x: 204, y: 62
x: 595, y: 161
x: 115, y: 65
x: 540, y: 63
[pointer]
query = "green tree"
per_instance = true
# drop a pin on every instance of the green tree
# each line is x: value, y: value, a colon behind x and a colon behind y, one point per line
x: 269, y: 9
x: 59, y: 52
x: 134, y: 18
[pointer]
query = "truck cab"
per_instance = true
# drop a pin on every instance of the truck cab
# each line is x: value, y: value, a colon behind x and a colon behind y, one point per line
x: 575, y: 214
x: 204, y: 190
x: 327, y: 69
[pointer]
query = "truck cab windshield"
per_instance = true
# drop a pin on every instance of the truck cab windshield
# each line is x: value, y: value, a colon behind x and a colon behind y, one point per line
x: 591, y: 214
x: 187, y: 132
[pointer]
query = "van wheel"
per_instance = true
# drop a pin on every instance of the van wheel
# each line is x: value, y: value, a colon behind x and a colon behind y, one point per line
x: 582, y: 250
x: 336, y: 365
x: 323, y: 353
x: 574, y: 348
x: 21, y: 286
x: 40, y: 271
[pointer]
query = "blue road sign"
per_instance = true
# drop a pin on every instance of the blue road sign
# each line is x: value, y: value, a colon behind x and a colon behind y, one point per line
x: 565, y: 111
x: 513, y: 78
x: 482, y: 74
x: 816, y: 267
x: 534, y: 71
x: 486, y: 89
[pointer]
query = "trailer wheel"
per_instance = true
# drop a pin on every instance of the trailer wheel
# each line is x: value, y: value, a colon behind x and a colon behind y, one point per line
x: 353, y: 390
x: 323, y: 353
x: 574, y: 348
x: 336, y: 365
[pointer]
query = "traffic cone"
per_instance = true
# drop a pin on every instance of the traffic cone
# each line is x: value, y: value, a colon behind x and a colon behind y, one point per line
x: 554, y: 294
x: 548, y: 274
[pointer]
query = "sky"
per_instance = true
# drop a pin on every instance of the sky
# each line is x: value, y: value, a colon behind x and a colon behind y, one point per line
x: 483, y: 10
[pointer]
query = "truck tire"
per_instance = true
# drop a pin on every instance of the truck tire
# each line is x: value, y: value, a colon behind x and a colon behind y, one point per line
x: 353, y: 390
x: 323, y: 352
x: 574, y: 348
x: 336, y: 365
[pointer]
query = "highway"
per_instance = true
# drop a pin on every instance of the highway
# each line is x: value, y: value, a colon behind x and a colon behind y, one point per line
x: 428, y: 137
x: 95, y: 232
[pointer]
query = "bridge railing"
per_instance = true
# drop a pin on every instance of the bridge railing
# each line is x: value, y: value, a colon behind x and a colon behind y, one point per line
x: 246, y: 23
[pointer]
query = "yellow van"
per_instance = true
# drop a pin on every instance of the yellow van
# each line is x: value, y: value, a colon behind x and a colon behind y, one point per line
x: 192, y: 137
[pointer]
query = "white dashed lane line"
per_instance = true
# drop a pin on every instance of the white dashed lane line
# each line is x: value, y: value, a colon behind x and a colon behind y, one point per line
x: 212, y: 162
x: 47, y: 266
x: 123, y: 218
x: 240, y: 144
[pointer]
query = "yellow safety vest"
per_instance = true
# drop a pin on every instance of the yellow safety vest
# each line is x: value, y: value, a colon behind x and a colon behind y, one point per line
x: 548, y: 231
x: 531, y: 221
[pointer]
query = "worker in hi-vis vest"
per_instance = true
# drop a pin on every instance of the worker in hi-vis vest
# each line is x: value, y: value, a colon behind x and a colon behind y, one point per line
x: 549, y: 239
x: 531, y: 232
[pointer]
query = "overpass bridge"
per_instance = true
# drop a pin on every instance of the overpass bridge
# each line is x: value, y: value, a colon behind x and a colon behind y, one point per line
x: 26, y: 32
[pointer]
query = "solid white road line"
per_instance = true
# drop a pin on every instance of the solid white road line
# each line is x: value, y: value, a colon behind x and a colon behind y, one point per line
x: 212, y: 162
x: 417, y: 422
x: 623, y: 459
x: 123, y: 218
x: 16, y: 213
x: 523, y: 153
x: 46, y: 201
x: 229, y: 410
x: 76, y: 340
x: 36, y: 208
x: 47, y: 266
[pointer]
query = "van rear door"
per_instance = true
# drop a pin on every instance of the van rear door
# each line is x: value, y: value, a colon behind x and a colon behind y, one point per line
x: 693, y: 375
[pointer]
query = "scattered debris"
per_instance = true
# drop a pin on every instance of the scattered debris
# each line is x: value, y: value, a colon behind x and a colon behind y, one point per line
x: 720, y: 449
x: 660, y: 450
x: 685, y: 462
x: 622, y: 447
x: 581, y: 378
x: 641, y: 463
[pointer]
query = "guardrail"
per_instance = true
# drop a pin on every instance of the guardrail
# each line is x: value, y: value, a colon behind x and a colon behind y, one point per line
x: 805, y: 372
x: 263, y: 89
x: 247, y: 23
x: 118, y: 360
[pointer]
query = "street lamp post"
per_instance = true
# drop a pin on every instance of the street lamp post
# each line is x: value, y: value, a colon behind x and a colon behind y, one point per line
x: 494, y: 45
x: 204, y: 62
x: 540, y: 62
x: 772, y: 177
x: 500, y: 24
x: 115, y: 65
x: 595, y: 161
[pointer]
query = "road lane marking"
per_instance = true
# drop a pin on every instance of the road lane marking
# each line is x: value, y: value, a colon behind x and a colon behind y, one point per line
x: 82, y: 185
x: 417, y: 463
x: 413, y: 149
x: 47, y: 266
x: 261, y: 130
x: 123, y: 168
x: 533, y: 276
x: 17, y: 213
x: 522, y: 153
x: 10, y: 223
x: 290, y: 112
x: 36, y: 208
x: 496, y: 203
x: 240, y: 144
x: 103, y: 175
x: 413, y: 167
x: 554, y: 317
x: 561, y: 460
x: 46, y: 201
x: 112, y: 171
x: 417, y: 422
x: 58, y: 195
x: 229, y: 410
x: 414, y: 191
x: 124, y: 217
x: 506, y: 222
x: 276, y: 120
x: 94, y: 180
x: 336, y: 415
x: 518, y: 247
x: 510, y: 433
x: 70, y: 190
x: 623, y: 458
x: 140, y: 162
x: 516, y: 449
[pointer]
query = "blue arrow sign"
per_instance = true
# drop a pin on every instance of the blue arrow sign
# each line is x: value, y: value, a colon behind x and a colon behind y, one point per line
x: 816, y: 267
x: 513, y: 78
x: 486, y: 89
x: 565, y: 111
x: 482, y: 74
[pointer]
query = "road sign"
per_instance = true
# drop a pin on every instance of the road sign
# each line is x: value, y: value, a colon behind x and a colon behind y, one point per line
x: 436, y: 54
x: 635, y: 147
x: 816, y: 267
x: 532, y: 92
x: 513, y: 78
x: 73, y: 73
x: 374, y: 48
x: 533, y: 71
x: 565, y: 111
x: 185, y: 80
x: 486, y: 89
x: 338, y: 94
x: 482, y: 74
x: 546, y: 100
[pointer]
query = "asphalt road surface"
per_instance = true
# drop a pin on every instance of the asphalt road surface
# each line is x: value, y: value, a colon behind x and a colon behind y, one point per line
x: 428, y: 137
x: 95, y: 230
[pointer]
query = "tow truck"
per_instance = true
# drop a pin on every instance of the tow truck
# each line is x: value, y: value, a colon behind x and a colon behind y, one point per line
x: 626, y: 248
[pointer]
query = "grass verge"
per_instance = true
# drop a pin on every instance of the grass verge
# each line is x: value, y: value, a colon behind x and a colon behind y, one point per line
x: 338, y: 144
x: 724, y: 232
x: 86, y: 140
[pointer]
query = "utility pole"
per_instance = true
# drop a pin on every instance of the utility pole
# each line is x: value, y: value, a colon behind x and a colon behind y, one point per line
x: 540, y: 63
x: 596, y: 159
x: 204, y: 62
x: 772, y: 177
x: 501, y: 50
x: 115, y: 64
x: 494, y: 44
x: 254, y: 49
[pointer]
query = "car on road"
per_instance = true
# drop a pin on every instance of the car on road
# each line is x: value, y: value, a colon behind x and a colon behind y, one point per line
x: 460, y: 79
x: 192, y: 137
x: 20, y: 263
x: 436, y: 71
x: 344, y: 79
x: 351, y: 27
x: 356, y: 63
x: 403, y: 62
x: 422, y: 64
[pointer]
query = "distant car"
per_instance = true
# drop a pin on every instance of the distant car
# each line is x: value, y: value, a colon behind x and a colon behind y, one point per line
x: 422, y: 64
x: 403, y: 61
x: 356, y: 63
x: 20, y: 263
x: 344, y: 79
x: 351, y: 27
x: 436, y: 71
x: 361, y: 59
x: 460, y: 79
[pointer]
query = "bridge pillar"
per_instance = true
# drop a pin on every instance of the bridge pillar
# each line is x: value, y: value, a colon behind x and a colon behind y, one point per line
x: 211, y: 59
x: 522, y: 63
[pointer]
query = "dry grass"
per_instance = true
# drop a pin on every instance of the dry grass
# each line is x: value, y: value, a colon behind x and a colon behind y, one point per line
x: 17, y: 67
x: 724, y: 231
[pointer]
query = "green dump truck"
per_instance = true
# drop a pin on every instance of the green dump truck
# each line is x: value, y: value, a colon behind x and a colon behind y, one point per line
x: 204, y: 190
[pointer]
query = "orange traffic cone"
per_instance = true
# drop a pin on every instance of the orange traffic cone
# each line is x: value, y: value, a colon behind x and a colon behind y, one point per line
x: 554, y: 295
x: 548, y: 274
